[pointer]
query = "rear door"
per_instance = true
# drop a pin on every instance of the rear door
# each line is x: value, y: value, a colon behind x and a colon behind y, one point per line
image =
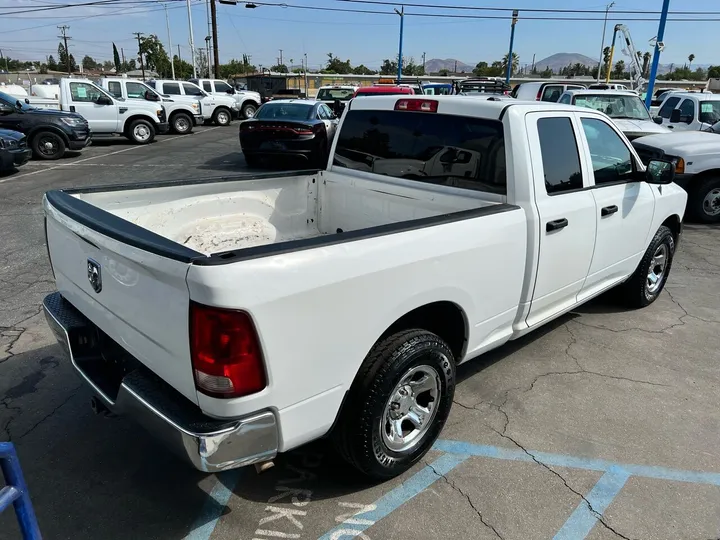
x: 624, y: 205
x: 102, y: 118
x: 566, y: 209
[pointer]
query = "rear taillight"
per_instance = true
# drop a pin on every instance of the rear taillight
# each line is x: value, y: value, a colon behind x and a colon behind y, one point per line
x: 421, y: 105
x: 225, y: 350
x: 539, y: 94
x: 305, y: 130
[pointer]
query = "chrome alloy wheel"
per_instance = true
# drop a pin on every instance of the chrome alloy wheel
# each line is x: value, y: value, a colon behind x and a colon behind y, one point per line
x: 410, y: 411
x: 658, y: 265
x: 141, y: 132
x: 711, y: 202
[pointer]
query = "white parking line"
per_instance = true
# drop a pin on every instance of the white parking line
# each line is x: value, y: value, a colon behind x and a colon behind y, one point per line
x: 61, y: 165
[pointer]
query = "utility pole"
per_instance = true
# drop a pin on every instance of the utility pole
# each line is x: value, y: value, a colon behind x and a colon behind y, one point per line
x: 402, y: 21
x: 192, y: 41
x: 508, y: 71
x: 207, y: 53
x: 122, y: 54
x: 455, y: 70
x: 602, y: 42
x: 209, y: 33
x: 63, y: 30
x: 179, y: 55
x: 533, y: 64
x: 172, y: 61
x: 142, y: 66
x: 423, y: 63
x: 216, y: 56
x: 281, y: 58
x: 306, y: 78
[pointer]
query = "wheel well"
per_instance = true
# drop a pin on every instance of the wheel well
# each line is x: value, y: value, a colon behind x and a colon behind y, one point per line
x: 180, y: 111
x: 249, y: 102
x: 673, y: 223
x: 445, y: 319
x: 220, y: 108
x: 51, y: 129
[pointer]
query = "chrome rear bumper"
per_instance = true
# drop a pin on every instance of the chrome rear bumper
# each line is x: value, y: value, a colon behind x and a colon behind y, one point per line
x: 209, y: 444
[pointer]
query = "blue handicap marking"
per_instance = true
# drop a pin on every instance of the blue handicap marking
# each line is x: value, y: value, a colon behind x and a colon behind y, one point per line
x: 582, y: 520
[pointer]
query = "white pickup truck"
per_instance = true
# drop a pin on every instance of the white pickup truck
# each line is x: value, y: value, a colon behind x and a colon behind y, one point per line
x: 242, y: 317
x: 247, y: 101
x: 183, y: 114
x: 138, y: 120
x: 218, y: 109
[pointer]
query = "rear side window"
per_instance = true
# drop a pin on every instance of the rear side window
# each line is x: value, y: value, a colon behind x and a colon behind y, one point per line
x: 668, y: 106
x: 442, y: 149
x: 561, y: 160
x: 207, y: 86
x: 172, y: 89
x: 551, y: 93
x: 115, y: 89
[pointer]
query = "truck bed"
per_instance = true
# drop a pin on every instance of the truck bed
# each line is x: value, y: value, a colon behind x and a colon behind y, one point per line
x: 229, y: 214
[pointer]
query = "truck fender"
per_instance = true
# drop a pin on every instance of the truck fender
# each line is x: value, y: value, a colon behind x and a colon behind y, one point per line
x: 139, y: 114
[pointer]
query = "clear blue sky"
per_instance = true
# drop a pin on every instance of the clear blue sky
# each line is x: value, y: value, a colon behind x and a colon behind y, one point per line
x: 362, y: 38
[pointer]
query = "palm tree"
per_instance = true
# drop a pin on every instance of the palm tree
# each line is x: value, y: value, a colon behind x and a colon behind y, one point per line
x: 515, y: 63
x: 690, y: 59
x: 646, y: 64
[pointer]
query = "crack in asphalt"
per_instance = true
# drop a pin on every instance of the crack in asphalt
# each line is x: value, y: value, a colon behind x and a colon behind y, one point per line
x: 469, y: 500
x: 73, y: 392
x: 6, y: 428
x: 14, y: 338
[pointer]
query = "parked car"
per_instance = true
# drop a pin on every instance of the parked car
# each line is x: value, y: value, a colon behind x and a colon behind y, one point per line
x: 626, y: 109
x: 247, y: 101
x: 183, y: 113
x: 239, y: 318
x: 336, y: 97
x: 215, y: 108
x: 690, y: 111
x: 50, y: 133
x: 14, y: 150
x: 696, y: 156
x: 383, y: 89
x: 542, y: 91
x: 295, y: 127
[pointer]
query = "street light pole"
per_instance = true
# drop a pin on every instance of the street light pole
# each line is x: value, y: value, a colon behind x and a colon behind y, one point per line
x: 402, y: 20
x: 192, y: 41
x: 508, y: 71
x: 656, y: 57
x: 602, y: 42
x: 172, y: 60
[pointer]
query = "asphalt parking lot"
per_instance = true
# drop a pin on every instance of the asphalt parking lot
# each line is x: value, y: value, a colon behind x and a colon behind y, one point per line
x: 604, y: 424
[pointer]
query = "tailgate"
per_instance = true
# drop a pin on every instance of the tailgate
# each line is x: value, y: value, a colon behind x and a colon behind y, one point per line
x: 139, y: 298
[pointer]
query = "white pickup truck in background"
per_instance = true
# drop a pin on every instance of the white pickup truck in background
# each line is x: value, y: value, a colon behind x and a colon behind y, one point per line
x: 247, y: 101
x: 183, y: 114
x: 218, y: 109
x: 242, y: 317
x: 689, y: 111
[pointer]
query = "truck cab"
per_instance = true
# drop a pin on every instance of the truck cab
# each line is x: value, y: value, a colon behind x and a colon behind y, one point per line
x: 182, y: 114
x: 218, y: 109
x: 690, y: 111
x: 247, y: 102
x: 137, y: 120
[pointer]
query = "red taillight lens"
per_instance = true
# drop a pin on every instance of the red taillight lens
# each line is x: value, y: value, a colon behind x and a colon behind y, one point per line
x: 303, y: 130
x: 421, y: 105
x: 225, y: 351
x: 539, y: 94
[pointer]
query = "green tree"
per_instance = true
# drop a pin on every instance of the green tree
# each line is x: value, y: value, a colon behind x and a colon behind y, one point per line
x: 183, y: 69
x: 363, y: 70
x: 546, y: 73
x: 495, y: 69
x: 89, y: 63
x: 335, y: 65
x: 480, y: 69
x: 713, y: 72
x: 52, y: 64
x: 444, y: 72
x: 646, y: 64
x: 619, y: 71
x: 156, y: 59
x: 388, y: 67
x: 108, y: 65
x: 279, y: 68
x: 116, y: 59
x: 690, y: 59
x: 515, y: 63
x: 65, y: 62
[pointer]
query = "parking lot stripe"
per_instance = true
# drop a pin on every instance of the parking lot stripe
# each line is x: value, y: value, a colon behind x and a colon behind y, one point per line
x: 390, y: 502
x: 560, y: 460
x: 583, y: 519
x: 61, y: 165
x: 213, y: 508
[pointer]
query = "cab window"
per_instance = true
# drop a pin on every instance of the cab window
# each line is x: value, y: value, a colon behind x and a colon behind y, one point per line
x: 207, y: 86
x: 560, y: 155
x: 687, y: 109
x: 172, y: 89
x: 667, y: 107
x: 611, y: 159
x: 222, y: 87
x: 115, y: 89
x: 192, y: 90
x: 135, y: 90
x: 84, y: 92
x: 565, y: 98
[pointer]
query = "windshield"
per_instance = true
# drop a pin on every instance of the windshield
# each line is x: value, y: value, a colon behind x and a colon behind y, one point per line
x: 615, y: 106
x: 331, y: 94
x: 709, y: 112
x: 284, y: 111
x: 15, y: 102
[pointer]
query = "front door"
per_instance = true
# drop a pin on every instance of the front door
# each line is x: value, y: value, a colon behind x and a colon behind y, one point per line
x: 624, y: 206
x: 566, y: 212
x: 102, y: 118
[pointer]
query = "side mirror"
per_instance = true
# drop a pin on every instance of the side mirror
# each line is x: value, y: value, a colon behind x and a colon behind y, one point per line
x: 660, y: 172
x: 658, y: 119
x: 151, y: 96
x: 103, y: 100
x: 231, y: 91
x: 675, y: 116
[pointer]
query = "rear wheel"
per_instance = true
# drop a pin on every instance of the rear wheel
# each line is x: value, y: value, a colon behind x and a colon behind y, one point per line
x: 141, y: 132
x: 397, y: 405
x: 222, y: 117
x: 648, y: 281
x: 48, y: 145
x: 181, y: 123
x: 704, y: 200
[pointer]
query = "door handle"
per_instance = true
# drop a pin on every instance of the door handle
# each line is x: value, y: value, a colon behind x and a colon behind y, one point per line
x: 556, y: 225
x: 608, y: 210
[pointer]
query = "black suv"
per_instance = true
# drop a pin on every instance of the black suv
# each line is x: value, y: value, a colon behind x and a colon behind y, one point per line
x: 49, y: 132
x: 13, y: 150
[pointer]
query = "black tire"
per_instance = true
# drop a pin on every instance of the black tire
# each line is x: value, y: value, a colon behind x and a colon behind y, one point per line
x: 47, y: 145
x: 704, y: 199
x: 358, y: 434
x: 249, y: 110
x: 141, y: 131
x: 637, y: 290
x: 252, y: 160
x: 181, y: 123
x: 222, y: 116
